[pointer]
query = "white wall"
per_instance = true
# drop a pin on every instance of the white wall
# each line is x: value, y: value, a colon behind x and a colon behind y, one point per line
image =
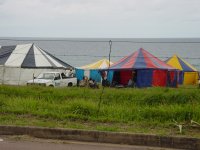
x: 20, y: 76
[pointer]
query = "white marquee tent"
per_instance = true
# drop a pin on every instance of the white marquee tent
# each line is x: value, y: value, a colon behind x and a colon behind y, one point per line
x: 19, y: 63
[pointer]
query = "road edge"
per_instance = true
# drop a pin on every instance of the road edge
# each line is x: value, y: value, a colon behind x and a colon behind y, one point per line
x: 103, y: 137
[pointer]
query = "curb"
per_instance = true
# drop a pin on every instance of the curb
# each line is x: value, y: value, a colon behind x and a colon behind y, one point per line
x: 103, y: 137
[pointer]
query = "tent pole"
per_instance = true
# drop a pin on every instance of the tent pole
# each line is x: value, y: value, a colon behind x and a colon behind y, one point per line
x: 110, y: 43
x: 100, y: 98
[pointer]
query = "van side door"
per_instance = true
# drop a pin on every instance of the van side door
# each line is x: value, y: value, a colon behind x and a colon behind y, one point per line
x: 57, y: 79
x: 63, y: 81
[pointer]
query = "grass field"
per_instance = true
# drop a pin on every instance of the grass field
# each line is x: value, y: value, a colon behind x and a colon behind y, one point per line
x: 149, y: 110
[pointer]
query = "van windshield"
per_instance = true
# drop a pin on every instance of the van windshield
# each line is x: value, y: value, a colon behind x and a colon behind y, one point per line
x: 49, y: 76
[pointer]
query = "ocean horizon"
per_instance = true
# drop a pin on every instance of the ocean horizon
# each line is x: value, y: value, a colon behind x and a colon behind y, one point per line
x: 81, y: 51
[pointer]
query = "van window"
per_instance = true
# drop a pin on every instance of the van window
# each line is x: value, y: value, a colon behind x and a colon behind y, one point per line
x: 57, y: 76
x: 63, y: 76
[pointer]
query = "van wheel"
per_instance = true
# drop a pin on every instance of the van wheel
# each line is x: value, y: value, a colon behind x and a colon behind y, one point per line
x: 70, y: 84
x: 50, y: 85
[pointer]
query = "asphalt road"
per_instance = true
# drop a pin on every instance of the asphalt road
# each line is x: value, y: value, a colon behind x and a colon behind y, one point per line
x: 21, y: 143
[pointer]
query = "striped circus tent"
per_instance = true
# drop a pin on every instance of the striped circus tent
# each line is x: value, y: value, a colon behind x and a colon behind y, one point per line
x: 149, y: 70
x: 188, y: 74
x: 92, y: 70
x: 18, y: 63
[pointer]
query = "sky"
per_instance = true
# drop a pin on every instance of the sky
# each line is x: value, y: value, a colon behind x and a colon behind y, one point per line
x: 100, y: 18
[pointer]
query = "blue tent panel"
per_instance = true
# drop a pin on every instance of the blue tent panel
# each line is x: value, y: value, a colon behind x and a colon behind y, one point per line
x: 181, y: 77
x: 140, y: 61
x: 110, y: 76
x: 174, y: 83
x: 79, y: 74
x: 184, y: 66
x: 144, y: 78
x: 95, y: 75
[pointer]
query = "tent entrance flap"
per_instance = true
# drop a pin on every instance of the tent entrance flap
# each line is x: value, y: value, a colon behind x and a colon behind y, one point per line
x: 172, y: 78
x: 125, y: 77
x: 180, y: 77
x: 116, y: 77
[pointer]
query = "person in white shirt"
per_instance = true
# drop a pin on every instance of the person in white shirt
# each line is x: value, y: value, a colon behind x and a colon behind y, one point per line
x: 130, y: 83
x: 70, y: 73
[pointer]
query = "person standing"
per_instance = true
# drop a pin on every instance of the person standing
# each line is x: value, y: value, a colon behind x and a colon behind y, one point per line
x: 134, y: 77
x: 70, y: 73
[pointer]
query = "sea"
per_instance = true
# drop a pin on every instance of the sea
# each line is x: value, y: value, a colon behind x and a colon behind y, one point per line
x: 82, y: 51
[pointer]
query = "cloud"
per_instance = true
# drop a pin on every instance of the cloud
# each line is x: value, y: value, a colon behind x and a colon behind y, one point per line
x: 100, y: 17
x: 56, y: 8
x: 2, y: 2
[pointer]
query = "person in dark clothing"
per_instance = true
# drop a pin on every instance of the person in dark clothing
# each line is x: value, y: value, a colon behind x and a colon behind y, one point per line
x: 134, y: 77
x: 92, y: 83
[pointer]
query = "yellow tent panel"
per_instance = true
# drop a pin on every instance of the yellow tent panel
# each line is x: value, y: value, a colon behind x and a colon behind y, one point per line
x: 190, y: 78
x: 101, y: 64
x: 174, y: 62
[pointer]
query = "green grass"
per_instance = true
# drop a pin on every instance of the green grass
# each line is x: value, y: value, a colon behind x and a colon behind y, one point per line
x: 149, y: 110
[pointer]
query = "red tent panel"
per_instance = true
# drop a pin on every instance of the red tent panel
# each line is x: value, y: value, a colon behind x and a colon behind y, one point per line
x: 125, y: 76
x: 148, y: 61
x: 172, y: 74
x: 159, y: 77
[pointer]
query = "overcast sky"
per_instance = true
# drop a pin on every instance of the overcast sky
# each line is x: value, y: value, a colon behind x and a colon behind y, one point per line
x: 100, y: 18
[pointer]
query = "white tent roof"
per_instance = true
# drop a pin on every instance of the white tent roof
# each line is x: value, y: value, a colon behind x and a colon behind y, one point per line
x: 29, y: 56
